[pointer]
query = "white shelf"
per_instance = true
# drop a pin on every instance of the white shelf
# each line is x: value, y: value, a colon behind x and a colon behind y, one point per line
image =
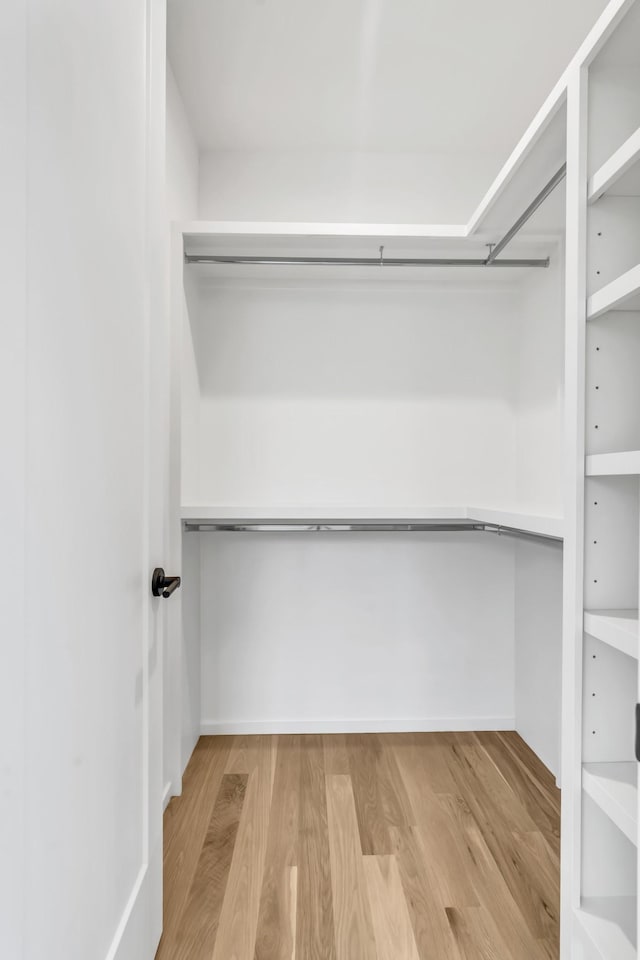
x: 614, y: 294
x: 195, y: 230
x: 601, y: 31
x: 238, y: 239
x: 618, y: 628
x: 528, y: 522
x: 315, y: 513
x: 615, y: 167
x: 609, y: 924
x: 626, y: 463
x: 614, y: 787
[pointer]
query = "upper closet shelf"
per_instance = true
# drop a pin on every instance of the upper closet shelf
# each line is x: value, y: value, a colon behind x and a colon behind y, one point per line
x: 307, y: 250
x: 533, y: 158
x: 516, y: 204
x: 626, y: 463
x: 620, y: 291
x: 197, y: 231
x: 618, y: 628
x: 611, y: 172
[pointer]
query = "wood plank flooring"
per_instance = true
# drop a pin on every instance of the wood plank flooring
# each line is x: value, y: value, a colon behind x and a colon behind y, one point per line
x: 440, y: 846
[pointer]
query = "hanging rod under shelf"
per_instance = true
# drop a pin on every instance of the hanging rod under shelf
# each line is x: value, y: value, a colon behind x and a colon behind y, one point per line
x: 364, y: 261
x: 548, y: 188
x: 382, y: 261
x: 373, y: 526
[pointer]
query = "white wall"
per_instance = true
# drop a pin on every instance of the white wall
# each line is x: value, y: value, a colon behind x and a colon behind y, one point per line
x: 190, y: 404
x: 182, y: 157
x: 538, y: 648
x: 182, y: 640
x: 13, y: 136
x: 338, y: 187
x: 540, y: 396
x: 337, y: 393
x: 356, y: 631
x: 539, y: 490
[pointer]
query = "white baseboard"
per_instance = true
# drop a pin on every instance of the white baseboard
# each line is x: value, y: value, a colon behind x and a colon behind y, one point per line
x: 138, y: 933
x: 407, y: 725
x: 166, y: 796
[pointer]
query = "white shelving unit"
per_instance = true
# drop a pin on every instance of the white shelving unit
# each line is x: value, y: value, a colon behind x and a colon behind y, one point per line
x: 602, y: 581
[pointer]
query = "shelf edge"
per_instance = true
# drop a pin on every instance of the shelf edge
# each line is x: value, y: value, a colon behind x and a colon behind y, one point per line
x: 595, y: 786
x: 615, y: 167
x: 618, y: 291
x: 602, y: 626
x: 626, y: 463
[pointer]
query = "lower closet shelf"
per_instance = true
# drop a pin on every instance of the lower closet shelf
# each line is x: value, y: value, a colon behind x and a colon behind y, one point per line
x: 614, y: 787
x: 610, y: 924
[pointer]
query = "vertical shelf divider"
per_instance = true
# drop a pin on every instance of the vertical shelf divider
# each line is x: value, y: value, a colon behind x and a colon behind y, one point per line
x: 576, y: 316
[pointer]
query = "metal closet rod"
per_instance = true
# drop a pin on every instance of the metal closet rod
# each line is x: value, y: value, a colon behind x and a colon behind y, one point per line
x: 337, y: 526
x: 365, y: 261
x: 382, y: 261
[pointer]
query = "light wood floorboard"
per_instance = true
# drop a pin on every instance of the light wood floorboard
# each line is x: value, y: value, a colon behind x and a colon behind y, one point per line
x: 391, y: 923
x: 198, y: 927
x: 439, y: 846
x: 351, y: 911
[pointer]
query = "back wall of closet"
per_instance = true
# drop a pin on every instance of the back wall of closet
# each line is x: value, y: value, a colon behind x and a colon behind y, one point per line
x: 378, y: 392
x: 357, y: 631
x: 309, y: 393
x: 331, y: 186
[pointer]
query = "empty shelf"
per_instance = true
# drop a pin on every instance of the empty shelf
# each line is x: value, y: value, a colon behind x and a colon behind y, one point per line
x: 536, y: 525
x: 618, y: 628
x: 312, y: 513
x: 615, y: 167
x: 619, y: 291
x: 613, y: 464
x: 531, y: 523
x: 610, y: 924
x: 614, y: 787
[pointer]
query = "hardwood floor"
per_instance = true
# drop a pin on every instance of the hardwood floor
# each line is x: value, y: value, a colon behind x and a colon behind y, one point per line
x: 440, y: 846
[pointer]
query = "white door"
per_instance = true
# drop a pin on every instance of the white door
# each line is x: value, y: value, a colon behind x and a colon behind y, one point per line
x: 83, y: 478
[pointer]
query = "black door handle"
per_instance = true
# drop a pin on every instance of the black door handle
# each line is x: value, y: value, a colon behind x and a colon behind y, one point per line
x: 161, y: 585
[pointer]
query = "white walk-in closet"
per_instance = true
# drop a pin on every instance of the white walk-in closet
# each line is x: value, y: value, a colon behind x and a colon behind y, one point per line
x: 404, y: 461
x: 320, y: 479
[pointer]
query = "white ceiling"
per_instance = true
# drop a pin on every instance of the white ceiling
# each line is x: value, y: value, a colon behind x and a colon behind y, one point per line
x: 401, y: 76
